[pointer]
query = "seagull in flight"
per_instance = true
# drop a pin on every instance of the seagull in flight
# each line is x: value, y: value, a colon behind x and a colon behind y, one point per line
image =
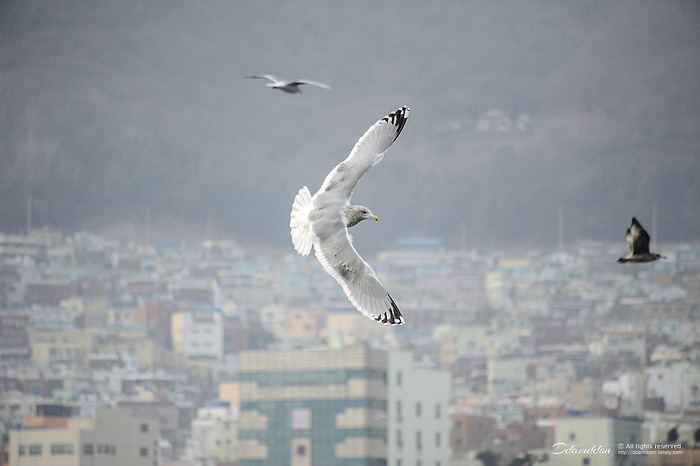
x: 638, y: 244
x: 322, y: 221
x: 290, y: 87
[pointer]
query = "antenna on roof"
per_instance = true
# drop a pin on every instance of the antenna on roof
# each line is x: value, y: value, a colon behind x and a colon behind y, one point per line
x: 560, y: 227
x: 653, y: 225
x: 29, y: 213
x: 147, y: 224
x: 210, y: 222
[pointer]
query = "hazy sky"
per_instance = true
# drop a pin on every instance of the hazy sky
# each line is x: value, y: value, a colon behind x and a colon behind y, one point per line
x: 155, y: 92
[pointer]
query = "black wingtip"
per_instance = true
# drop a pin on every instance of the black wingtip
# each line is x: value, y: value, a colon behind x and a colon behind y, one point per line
x: 398, y: 118
x: 392, y: 316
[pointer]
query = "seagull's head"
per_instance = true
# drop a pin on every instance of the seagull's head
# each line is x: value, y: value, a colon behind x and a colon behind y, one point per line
x: 354, y: 214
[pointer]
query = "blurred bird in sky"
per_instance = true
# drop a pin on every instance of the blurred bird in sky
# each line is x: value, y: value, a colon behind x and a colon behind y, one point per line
x: 290, y: 87
x: 638, y: 244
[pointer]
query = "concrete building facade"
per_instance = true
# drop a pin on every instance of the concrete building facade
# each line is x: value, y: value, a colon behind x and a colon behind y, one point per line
x: 596, y: 441
x: 112, y: 438
x: 419, y: 421
x: 313, y: 407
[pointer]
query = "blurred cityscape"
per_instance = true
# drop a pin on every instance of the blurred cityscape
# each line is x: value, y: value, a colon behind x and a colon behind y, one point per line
x: 116, y: 352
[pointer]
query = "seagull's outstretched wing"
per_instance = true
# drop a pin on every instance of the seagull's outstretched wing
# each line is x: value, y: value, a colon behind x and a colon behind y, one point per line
x: 332, y: 243
x: 368, y: 151
x: 269, y: 77
x: 309, y: 82
x: 637, y: 238
x: 359, y: 282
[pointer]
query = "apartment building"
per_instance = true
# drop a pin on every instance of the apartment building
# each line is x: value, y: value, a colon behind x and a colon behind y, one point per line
x: 313, y: 407
x: 198, y: 334
x: 111, y: 438
x: 596, y: 441
x: 69, y: 347
x: 418, y: 417
x: 346, y: 407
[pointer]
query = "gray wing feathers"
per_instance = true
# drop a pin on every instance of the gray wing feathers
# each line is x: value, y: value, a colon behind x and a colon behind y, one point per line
x: 630, y: 240
x: 368, y: 151
x: 269, y: 77
x: 637, y: 238
x: 311, y: 83
x: 358, y: 280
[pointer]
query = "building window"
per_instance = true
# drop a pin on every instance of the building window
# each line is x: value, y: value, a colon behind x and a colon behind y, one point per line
x: 301, y: 419
x: 399, y: 440
x: 418, y: 409
x: 35, y: 450
x: 419, y: 440
x: 438, y: 439
x: 22, y: 450
x: 88, y: 449
x: 399, y: 379
x: 144, y: 451
x: 399, y: 414
x: 438, y: 411
x: 107, y: 449
x: 144, y: 427
x: 62, y: 449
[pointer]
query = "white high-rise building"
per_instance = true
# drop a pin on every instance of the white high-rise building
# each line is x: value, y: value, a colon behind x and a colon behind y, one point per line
x: 418, y: 428
x: 202, y: 335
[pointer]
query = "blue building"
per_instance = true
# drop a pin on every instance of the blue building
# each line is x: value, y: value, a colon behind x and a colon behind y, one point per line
x: 313, y: 407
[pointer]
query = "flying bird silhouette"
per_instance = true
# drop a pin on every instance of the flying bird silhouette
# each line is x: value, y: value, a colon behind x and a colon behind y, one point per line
x: 638, y: 244
x: 322, y: 220
x: 290, y: 87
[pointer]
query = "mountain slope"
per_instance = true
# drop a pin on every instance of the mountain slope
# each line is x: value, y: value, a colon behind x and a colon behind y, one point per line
x: 111, y: 108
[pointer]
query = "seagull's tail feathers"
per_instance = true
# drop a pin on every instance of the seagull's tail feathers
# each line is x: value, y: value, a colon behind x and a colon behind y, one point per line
x: 302, y: 236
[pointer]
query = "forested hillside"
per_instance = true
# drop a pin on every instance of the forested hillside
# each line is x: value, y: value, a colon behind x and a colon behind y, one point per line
x: 111, y: 109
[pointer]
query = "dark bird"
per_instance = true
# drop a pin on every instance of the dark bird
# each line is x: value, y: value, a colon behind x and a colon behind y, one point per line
x: 322, y: 221
x: 638, y: 244
x: 290, y: 87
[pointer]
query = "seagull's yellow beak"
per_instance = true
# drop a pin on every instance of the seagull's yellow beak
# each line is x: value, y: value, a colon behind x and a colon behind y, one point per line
x: 376, y: 219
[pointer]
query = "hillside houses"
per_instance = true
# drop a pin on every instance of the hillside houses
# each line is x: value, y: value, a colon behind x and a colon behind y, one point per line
x: 517, y: 346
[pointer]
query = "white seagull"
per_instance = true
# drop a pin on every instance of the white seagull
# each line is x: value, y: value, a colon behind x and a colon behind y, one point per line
x: 290, y: 87
x: 322, y: 220
x: 638, y: 244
